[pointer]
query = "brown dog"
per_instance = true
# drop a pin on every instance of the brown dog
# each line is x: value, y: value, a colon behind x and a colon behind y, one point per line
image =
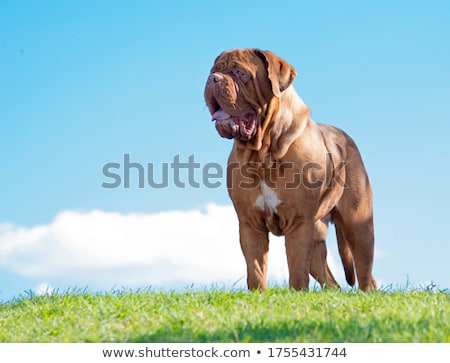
x: 289, y: 175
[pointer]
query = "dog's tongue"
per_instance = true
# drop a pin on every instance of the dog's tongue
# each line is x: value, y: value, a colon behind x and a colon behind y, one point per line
x: 220, y: 115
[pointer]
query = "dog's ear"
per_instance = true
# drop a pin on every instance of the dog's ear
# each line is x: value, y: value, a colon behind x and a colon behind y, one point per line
x: 281, y: 73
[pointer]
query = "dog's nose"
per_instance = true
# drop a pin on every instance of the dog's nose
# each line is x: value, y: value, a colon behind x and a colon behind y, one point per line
x: 215, y: 78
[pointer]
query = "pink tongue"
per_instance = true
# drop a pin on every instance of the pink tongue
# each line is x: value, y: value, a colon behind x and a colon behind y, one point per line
x: 220, y: 115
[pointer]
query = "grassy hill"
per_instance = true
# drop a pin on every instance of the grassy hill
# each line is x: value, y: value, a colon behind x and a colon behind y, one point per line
x: 278, y: 315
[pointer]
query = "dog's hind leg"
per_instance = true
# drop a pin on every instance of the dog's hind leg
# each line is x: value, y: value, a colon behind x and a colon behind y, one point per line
x: 319, y: 268
x: 354, y: 231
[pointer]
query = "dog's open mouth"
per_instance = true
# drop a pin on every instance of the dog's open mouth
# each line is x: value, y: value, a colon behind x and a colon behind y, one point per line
x: 241, y: 127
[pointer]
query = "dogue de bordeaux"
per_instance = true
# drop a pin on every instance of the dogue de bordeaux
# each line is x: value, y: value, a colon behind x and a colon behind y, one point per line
x: 289, y: 175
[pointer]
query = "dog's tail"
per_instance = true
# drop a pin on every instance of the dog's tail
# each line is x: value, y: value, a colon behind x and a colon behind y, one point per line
x: 346, y: 254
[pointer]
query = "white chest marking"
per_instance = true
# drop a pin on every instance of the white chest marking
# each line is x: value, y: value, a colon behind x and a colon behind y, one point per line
x: 268, y: 199
x: 260, y: 203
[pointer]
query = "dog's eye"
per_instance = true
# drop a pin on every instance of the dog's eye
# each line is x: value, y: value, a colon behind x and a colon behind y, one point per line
x: 241, y: 74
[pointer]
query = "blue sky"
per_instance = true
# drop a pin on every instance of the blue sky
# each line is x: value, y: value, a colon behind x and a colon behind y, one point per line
x: 83, y: 83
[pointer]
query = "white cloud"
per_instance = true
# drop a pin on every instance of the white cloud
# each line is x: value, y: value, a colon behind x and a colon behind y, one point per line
x: 43, y: 288
x: 163, y: 249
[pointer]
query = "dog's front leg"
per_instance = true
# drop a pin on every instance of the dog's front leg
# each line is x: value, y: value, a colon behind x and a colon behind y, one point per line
x: 299, y: 250
x: 255, y: 246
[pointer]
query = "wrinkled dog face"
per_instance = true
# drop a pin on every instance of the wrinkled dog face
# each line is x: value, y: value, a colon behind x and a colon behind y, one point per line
x: 231, y: 94
x: 241, y: 85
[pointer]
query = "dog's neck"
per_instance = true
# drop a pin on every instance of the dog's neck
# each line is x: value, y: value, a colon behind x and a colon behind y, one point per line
x: 286, y: 118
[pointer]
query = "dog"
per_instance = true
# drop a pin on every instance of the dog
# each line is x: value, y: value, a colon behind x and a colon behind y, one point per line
x: 289, y: 175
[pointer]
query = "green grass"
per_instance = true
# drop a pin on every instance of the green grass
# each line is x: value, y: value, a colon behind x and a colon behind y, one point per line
x: 278, y: 315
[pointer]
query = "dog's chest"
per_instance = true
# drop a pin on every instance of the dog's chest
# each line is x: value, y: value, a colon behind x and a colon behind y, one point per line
x: 268, y: 199
x: 269, y: 202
